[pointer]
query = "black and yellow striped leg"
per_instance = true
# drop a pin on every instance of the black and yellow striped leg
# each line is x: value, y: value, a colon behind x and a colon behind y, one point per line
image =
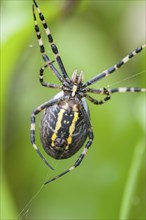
x: 126, y: 89
x: 41, y: 77
x: 53, y: 46
x: 33, y: 123
x: 116, y: 90
x: 115, y: 67
x: 48, y: 62
x: 82, y: 155
x: 99, y: 102
x: 79, y: 160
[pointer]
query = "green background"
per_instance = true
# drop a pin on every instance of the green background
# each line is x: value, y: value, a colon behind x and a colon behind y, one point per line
x: 91, y: 36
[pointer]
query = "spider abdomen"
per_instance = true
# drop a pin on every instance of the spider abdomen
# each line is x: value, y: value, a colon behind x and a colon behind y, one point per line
x: 63, y: 130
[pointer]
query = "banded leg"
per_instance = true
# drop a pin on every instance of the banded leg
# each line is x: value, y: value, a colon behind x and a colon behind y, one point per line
x: 53, y: 46
x: 33, y: 122
x: 114, y: 90
x: 48, y: 62
x: 126, y: 89
x: 115, y: 67
x: 41, y: 77
x: 99, y: 102
x: 82, y: 155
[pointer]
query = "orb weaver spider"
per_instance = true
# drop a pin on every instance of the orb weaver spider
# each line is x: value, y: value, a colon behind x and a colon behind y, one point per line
x: 65, y: 124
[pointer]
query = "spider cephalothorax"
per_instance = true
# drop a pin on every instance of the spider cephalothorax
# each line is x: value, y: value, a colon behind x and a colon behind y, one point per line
x: 65, y: 124
x: 74, y: 86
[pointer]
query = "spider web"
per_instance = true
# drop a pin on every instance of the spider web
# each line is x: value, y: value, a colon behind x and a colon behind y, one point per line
x: 126, y: 79
x: 23, y: 214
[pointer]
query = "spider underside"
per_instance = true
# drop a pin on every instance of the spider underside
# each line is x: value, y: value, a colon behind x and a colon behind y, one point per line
x: 65, y: 124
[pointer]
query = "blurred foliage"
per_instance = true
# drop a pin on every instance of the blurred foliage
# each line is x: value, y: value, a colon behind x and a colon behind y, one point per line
x: 91, y: 36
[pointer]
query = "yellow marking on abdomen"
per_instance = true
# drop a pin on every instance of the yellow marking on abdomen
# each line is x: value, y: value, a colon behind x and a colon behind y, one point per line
x: 72, y: 128
x: 58, y: 125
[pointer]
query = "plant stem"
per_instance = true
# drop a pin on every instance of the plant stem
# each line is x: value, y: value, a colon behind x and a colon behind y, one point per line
x: 132, y: 180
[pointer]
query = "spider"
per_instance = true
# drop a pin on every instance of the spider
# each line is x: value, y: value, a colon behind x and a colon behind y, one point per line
x: 65, y: 123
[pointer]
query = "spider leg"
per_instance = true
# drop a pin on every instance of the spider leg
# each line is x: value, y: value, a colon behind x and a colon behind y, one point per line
x: 53, y: 46
x: 83, y: 153
x: 98, y: 91
x: 48, y: 62
x: 114, y: 90
x: 126, y: 89
x: 41, y: 77
x: 115, y: 67
x: 33, y: 123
